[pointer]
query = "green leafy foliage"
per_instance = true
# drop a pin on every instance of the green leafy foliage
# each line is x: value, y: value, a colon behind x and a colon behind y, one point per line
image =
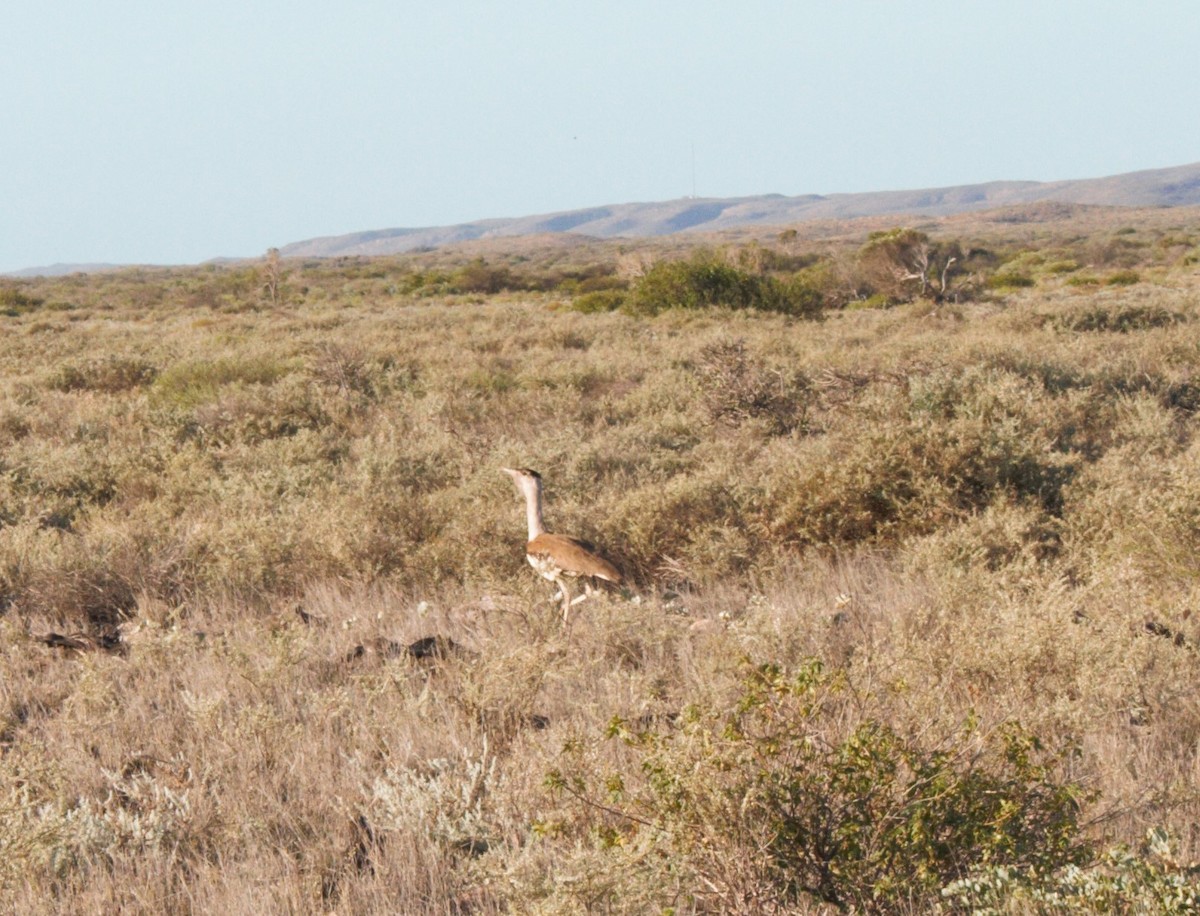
x: 603, y: 300
x: 1121, y: 318
x: 792, y: 793
x: 706, y: 280
x: 187, y: 384
x: 481, y: 277
x: 1010, y: 279
x: 1124, y: 278
x: 1151, y: 879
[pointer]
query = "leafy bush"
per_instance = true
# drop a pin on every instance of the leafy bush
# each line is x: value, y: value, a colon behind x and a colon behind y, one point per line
x: 699, y: 282
x: 191, y: 383
x: 1150, y: 880
x: 481, y: 277
x: 1065, y: 266
x: 1124, y: 278
x: 793, y: 795
x: 1119, y: 318
x: 1010, y: 280
x: 807, y: 291
x: 604, y: 300
x: 705, y: 280
x: 950, y: 446
x: 874, y: 301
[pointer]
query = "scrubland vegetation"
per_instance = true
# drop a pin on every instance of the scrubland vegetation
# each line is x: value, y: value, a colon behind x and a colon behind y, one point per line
x: 910, y: 515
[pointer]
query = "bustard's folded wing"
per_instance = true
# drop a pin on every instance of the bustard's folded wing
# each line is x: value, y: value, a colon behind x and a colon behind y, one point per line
x: 572, y: 556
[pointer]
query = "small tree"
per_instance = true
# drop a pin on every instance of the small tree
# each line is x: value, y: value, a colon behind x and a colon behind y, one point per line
x: 904, y: 264
x: 272, y: 274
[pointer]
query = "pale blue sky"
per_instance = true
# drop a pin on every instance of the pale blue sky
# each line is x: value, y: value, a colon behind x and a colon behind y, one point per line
x: 146, y: 131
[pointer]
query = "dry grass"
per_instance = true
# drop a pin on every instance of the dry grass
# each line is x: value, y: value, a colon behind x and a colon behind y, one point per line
x: 985, y: 510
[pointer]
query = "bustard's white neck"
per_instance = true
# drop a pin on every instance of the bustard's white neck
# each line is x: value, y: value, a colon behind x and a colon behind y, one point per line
x: 530, y: 484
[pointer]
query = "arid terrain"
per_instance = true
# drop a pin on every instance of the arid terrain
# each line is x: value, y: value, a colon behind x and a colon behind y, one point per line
x: 909, y: 520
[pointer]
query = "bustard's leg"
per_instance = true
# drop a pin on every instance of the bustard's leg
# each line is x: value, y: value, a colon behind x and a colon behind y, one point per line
x: 569, y: 602
x: 566, y: 600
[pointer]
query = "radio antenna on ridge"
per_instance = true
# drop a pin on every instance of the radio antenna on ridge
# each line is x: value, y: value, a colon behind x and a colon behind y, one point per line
x: 693, y: 170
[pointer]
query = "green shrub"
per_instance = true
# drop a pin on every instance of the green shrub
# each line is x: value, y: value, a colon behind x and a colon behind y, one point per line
x: 1124, y: 278
x: 196, y: 382
x: 421, y: 282
x: 951, y: 447
x: 1119, y: 318
x: 792, y: 795
x: 806, y: 292
x: 874, y: 301
x: 604, y: 300
x: 1010, y: 280
x: 699, y: 282
x: 481, y: 277
x: 1149, y: 880
x: 706, y: 280
x: 1064, y: 266
x: 820, y: 281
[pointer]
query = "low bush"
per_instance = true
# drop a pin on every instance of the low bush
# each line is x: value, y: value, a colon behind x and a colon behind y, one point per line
x: 874, y: 301
x: 111, y: 374
x: 794, y: 794
x: 1118, y: 318
x: 14, y: 302
x: 1010, y: 280
x: 196, y: 382
x: 736, y: 388
x: 481, y: 277
x: 1065, y: 266
x: 1148, y: 880
x: 1124, y: 278
x: 605, y: 300
x: 706, y: 280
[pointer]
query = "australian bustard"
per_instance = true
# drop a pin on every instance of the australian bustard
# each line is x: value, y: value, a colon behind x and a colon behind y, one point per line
x: 555, y: 556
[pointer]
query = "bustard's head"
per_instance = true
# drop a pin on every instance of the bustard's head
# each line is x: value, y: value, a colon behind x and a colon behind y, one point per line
x: 527, y: 480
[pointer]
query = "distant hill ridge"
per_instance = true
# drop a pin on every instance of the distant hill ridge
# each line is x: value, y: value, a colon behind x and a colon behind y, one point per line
x: 1170, y: 187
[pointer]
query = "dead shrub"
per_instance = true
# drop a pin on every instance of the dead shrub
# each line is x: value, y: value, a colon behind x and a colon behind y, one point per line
x: 737, y: 388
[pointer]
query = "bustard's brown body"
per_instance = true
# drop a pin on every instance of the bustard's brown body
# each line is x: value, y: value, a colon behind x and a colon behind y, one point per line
x: 555, y: 556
